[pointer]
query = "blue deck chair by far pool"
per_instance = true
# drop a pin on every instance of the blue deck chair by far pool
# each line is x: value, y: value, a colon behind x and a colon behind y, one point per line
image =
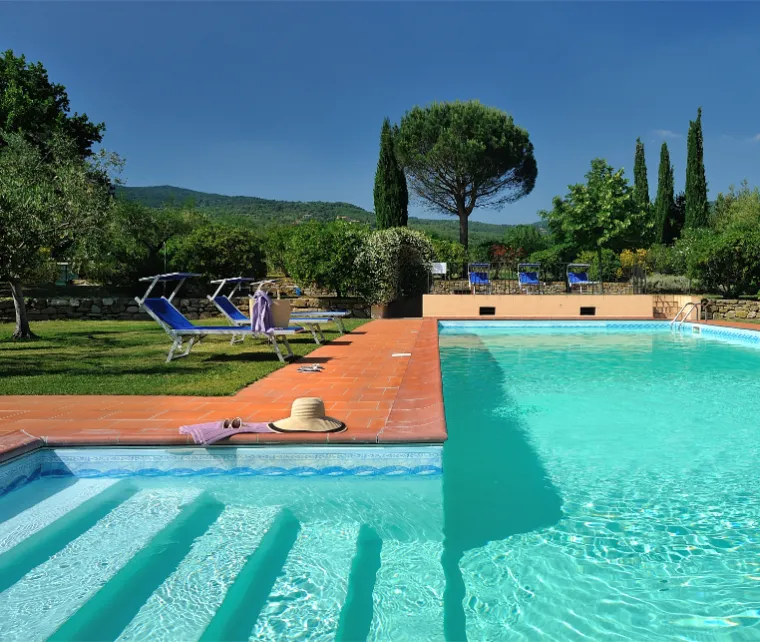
x: 578, y: 279
x: 179, y: 328
x: 529, y: 280
x: 312, y: 321
x: 478, y: 274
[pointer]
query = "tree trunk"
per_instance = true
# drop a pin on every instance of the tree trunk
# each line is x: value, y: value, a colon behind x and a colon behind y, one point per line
x: 463, y: 235
x: 23, y: 331
x: 601, y: 271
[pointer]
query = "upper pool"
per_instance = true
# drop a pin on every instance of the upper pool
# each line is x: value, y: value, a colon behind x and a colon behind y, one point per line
x: 599, y: 482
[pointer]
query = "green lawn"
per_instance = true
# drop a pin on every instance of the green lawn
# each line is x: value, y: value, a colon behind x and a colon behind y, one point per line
x: 128, y: 358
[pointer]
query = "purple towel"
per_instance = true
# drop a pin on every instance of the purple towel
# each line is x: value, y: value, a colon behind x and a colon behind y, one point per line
x: 261, y: 319
x: 213, y: 431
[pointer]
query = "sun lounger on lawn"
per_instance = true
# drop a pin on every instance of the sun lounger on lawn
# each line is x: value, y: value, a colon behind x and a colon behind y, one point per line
x: 310, y: 320
x: 179, y: 328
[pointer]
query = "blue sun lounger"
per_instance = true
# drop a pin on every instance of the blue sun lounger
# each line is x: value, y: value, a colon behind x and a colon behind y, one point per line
x: 311, y: 320
x: 179, y: 328
x: 578, y: 279
x: 478, y: 275
x: 529, y: 280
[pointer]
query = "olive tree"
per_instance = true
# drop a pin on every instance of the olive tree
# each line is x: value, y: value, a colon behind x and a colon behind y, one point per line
x: 463, y: 155
x: 50, y: 200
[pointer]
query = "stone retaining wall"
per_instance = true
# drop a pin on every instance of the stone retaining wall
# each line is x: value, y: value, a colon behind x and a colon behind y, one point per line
x: 115, y: 308
x: 731, y: 308
x: 462, y: 286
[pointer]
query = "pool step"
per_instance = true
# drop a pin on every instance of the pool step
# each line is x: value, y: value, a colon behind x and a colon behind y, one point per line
x: 36, y: 541
x: 246, y: 598
x: 45, y: 512
x: 408, y: 595
x: 115, y: 605
x: 309, y: 594
x: 208, y: 570
x: 52, y: 591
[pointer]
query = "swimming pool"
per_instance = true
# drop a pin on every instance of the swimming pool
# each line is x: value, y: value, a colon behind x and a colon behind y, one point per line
x: 599, y: 482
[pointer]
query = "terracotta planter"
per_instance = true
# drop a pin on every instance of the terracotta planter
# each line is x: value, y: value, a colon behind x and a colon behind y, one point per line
x: 410, y: 307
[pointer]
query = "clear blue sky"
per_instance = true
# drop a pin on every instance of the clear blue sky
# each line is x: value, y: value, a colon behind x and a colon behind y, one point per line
x: 285, y: 100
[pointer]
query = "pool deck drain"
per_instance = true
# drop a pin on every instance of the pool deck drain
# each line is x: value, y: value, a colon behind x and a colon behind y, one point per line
x: 381, y: 398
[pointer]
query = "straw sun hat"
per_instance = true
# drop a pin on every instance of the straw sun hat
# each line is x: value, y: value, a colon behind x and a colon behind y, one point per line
x: 307, y: 414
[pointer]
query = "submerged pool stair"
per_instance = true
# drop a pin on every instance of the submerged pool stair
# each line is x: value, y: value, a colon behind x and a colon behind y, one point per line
x: 107, y: 560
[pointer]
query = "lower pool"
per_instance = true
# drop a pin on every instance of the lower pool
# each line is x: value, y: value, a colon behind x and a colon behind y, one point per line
x: 599, y: 482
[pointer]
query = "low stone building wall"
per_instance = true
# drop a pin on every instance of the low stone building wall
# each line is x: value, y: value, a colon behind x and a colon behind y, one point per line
x: 462, y: 286
x: 125, y: 309
x: 731, y: 308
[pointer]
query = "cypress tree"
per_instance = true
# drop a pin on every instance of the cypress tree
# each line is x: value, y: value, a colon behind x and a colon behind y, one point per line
x: 640, y: 181
x: 664, y: 202
x: 641, y: 190
x: 678, y: 217
x: 697, y: 209
x: 391, y: 195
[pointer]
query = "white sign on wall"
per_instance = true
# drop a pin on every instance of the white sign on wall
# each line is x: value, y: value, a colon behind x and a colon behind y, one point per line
x: 438, y: 268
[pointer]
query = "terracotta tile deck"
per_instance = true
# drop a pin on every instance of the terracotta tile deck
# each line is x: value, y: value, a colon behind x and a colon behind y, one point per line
x: 381, y: 398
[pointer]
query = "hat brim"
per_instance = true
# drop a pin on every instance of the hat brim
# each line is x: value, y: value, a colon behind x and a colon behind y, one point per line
x: 305, y: 424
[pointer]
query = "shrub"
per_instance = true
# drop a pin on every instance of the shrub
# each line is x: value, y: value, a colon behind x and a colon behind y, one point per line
x: 553, y: 261
x: 394, y: 264
x: 450, y: 252
x: 728, y: 263
x: 526, y: 239
x: 669, y: 284
x: 276, y: 243
x: 323, y: 255
x: 666, y: 260
x: 630, y: 259
x: 218, y: 251
x: 610, y: 270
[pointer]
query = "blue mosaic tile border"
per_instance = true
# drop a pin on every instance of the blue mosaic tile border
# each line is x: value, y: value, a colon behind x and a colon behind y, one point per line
x: 475, y: 327
x: 737, y: 336
x: 272, y: 461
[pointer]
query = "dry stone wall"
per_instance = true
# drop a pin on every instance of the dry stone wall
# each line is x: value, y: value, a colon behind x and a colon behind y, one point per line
x: 125, y: 309
x: 462, y: 286
x: 731, y: 308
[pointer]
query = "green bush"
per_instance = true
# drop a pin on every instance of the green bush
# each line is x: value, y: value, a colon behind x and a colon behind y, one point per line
x: 452, y: 253
x: 611, y: 268
x: 276, y: 241
x: 553, y: 262
x: 727, y: 263
x: 527, y: 238
x: 394, y: 264
x: 219, y: 251
x: 323, y: 255
x: 669, y: 284
x: 663, y: 259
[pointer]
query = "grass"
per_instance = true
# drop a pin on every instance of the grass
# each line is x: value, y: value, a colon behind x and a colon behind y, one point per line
x: 128, y: 358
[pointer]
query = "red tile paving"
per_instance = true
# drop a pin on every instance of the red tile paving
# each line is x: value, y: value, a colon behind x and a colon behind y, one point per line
x: 381, y: 398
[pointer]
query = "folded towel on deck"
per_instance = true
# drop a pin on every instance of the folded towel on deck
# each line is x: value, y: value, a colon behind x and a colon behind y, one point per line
x: 213, y: 431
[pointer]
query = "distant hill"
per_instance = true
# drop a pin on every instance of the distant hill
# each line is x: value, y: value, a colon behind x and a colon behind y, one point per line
x: 262, y: 211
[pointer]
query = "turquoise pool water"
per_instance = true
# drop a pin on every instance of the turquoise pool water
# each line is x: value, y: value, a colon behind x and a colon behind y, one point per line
x: 599, y: 482
x: 601, y: 485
